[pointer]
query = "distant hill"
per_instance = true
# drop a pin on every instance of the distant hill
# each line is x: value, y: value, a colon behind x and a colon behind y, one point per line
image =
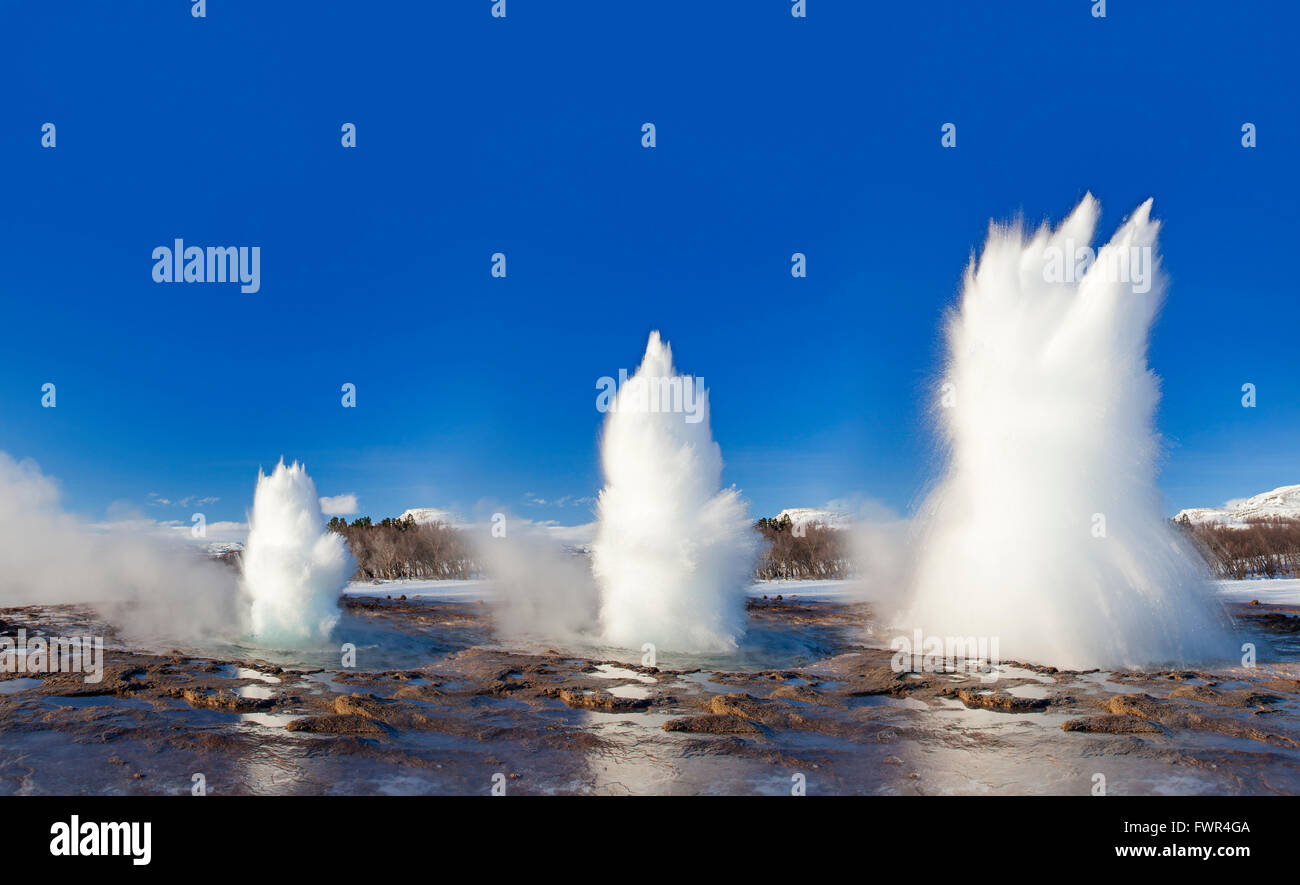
x: 431, y: 515
x: 815, y: 516
x: 1281, y: 503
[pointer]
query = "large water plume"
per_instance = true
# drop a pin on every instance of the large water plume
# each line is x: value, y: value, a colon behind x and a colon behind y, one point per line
x: 674, y: 551
x: 293, y: 568
x: 1047, y: 531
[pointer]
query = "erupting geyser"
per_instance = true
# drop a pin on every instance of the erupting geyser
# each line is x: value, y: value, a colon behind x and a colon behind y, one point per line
x: 673, y: 552
x: 1047, y: 531
x: 293, y: 567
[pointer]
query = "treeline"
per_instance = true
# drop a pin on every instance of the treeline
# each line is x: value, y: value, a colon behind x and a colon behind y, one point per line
x: 1263, y: 548
x: 807, y: 551
x: 403, y: 548
x: 397, y: 548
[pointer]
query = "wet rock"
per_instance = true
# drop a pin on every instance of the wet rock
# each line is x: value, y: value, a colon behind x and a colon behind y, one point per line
x: 500, y: 688
x: 1280, y: 684
x: 712, y: 724
x: 1240, y: 699
x: 884, y: 681
x: 802, y: 693
x: 364, y: 705
x: 1277, y: 622
x: 334, y: 723
x: 779, y: 714
x: 598, y: 701
x: 420, y: 692
x: 1110, y: 723
x: 1179, y: 714
x: 997, y: 701
x: 393, y: 713
x: 225, y: 702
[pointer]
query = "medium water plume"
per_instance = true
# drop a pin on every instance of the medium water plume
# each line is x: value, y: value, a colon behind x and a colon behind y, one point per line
x: 1047, y: 531
x: 293, y: 567
x: 674, y: 552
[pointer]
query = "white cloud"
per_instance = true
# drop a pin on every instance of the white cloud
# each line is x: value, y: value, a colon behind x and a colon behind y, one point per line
x: 157, y: 500
x: 339, y: 505
x: 562, y: 501
x: 562, y: 534
x: 220, y: 532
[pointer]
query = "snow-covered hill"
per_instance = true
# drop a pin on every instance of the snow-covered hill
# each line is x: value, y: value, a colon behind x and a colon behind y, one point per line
x: 430, y: 515
x: 816, y: 516
x: 1283, y: 502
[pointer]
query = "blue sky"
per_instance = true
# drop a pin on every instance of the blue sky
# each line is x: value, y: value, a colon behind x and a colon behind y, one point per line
x: 478, y: 135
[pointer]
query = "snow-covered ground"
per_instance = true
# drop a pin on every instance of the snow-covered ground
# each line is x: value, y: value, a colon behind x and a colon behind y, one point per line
x: 452, y: 589
x: 826, y: 591
x: 1276, y: 590
x: 474, y: 589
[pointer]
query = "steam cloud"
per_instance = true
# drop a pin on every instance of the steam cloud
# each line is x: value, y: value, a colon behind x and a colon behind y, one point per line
x: 540, y: 589
x: 147, y: 587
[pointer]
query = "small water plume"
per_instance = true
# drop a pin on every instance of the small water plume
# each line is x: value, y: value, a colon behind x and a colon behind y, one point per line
x: 1047, y: 530
x: 293, y: 567
x: 674, y: 552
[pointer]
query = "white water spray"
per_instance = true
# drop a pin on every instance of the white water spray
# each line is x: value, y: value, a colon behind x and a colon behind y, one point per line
x: 1047, y: 531
x: 293, y: 568
x: 673, y: 552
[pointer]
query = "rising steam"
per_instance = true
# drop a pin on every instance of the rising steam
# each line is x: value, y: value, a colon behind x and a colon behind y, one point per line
x: 1047, y: 531
x: 146, y: 586
x: 541, y: 588
x: 293, y: 568
x: 673, y: 552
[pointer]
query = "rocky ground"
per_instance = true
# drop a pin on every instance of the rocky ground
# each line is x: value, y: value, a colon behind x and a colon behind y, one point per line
x: 477, y: 716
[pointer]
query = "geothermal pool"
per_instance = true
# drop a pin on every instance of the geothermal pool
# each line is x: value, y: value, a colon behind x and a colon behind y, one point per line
x: 438, y: 703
